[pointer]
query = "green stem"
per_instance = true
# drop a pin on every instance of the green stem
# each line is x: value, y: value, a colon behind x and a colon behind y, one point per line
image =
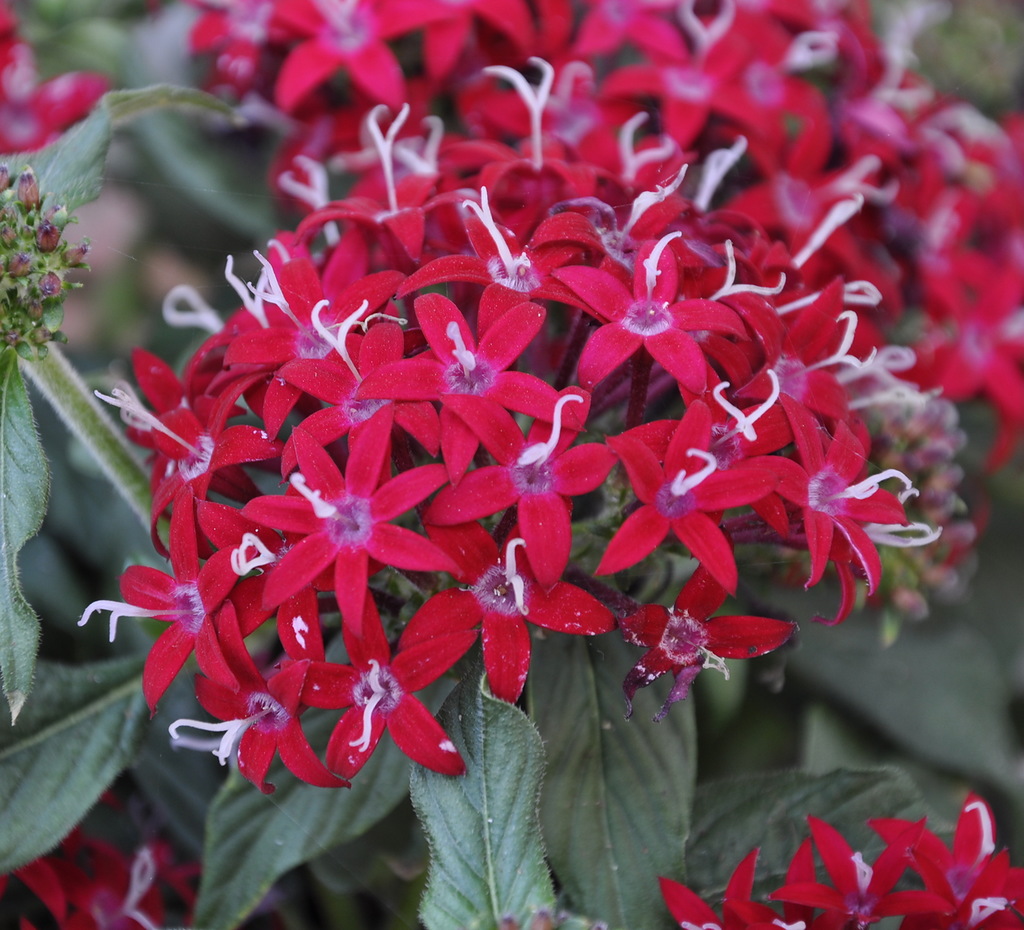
x: 63, y: 387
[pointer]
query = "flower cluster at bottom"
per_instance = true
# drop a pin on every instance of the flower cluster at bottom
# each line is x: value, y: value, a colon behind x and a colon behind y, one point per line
x: 967, y: 886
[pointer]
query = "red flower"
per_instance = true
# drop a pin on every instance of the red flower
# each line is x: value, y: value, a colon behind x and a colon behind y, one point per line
x: 686, y: 638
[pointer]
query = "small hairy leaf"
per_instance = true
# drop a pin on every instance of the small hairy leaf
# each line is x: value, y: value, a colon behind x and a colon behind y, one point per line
x: 615, y: 806
x: 486, y: 859
x: 81, y: 728
x: 24, y: 482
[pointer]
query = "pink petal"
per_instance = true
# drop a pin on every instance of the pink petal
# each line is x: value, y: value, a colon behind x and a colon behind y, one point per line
x: 422, y: 739
x: 639, y: 535
x: 506, y: 655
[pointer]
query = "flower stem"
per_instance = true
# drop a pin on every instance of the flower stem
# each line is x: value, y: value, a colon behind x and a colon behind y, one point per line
x: 638, y: 388
x: 63, y: 387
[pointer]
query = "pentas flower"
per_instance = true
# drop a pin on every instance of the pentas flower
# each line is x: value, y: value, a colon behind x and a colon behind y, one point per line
x: 685, y: 494
x: 686, y: 638
x: 539, y: 477
x: 378, y: 687
x: 502, y: 596
x: 259, y: 714
x: 342, y: 521
x: 651, y: 316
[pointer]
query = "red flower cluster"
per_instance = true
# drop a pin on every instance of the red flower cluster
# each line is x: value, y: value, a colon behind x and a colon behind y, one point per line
x: 968, y: 886
x: 530, y: 367
x: 33, y: 113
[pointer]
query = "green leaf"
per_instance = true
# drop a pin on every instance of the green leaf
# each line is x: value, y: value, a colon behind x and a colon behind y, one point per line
x: 24, y: 483
x: 615, y: 806
x: 70, y: 170
x: 486, y: 859
x: 252, y: 839
x: 80, y: 730
x: 732, y: 817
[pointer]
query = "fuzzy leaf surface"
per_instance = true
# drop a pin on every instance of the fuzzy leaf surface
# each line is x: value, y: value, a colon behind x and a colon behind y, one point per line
x: 618, y: 792
x: 486, y: 859
x: 82, y: 727
x: 24, y: 486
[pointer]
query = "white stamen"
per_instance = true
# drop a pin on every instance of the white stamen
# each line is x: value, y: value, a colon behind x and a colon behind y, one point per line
x: 199, y: 312
x: 363, y: 743
x: 540, y: 452
x: 643, y: 202
x: 900, y: 536
x: 839, y: 357
x: 535, y: 99
x: 852, y: 181
x: 745, y: 420
x: 321, y: 508
x: 988, y: 838
x: 864, y: 873
x: 983, y: 908
x: 730, y: 286
x: 715, y: 662
x: 338, y: 341
x: 716, y: 166
x: 701, y: 36
x: 385, y: 144
x: 242, y: 564
x: 425, y: 161
x: 364, y: 325
x: 268, y: 290
x: 119, y: 609
x: 633, y: 161
x: 862, y: 490
x: 243, y: 292
x: 688, y: 925
x: 314, y: 192
x: 811, y: 49
x: 462, y: 355
x: 512, y: 577
x: 226, y: 745
x: 796, y: 925
x: 838, y: 214
x: 683, y: 483
x: 142, y: 876
x: 651, y: 269
x: 138, y: 417
x: 513, y: 266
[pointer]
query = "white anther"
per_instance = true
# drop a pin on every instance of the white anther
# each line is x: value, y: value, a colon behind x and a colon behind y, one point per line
x: 462, y: 355
x: 141, y: 878
x: 242, y: 563
x: 643, y: 202
x: 703, y: 37
x: 314, y: 191
x: 864, y: 873
x: 321, y: 508
x: 651, y: 269
x: 338, y: 340
x: 512, y: 577
x: 811, y: 49
x: 225, y: 747
x: 540, y: 452
x: 376, y: 696
x: 119, y: 609
x: 512, y: 266
x: 136, y: 416
x: 716, y: 166
x: 423, y: 162
x: 730, y: 286
x: 683, y: 483
x: 902, y: 536
x: 715, y: 662
x: 535, y: 99
x: 745, y: 419
x: 837, y: 215
x: 364, y: 324
x: 268, y: 290
x: 632, y: 160
x: 848, y: 318
x: 988, y: 837
x: 244, y: 292
x: 983, y: 908
x: 385, y: 144
x: 198, y: 313
x: 862, y: 490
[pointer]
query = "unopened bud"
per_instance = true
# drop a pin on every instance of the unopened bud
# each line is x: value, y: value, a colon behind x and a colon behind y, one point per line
x: 542, y: 920
x: 50, y: 284
x: 508, y: 922
x: 8, y: 234
x: 28, y: 189
x: 75, y: 256
x: 5, y: 176
x: 57, y: 215
x: 47, y: 236
x: 19, y: 265
x: 35, y: 309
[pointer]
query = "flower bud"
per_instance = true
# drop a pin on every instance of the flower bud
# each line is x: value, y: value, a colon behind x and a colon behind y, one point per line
x: 50, y: 284
x: 75, y: 256
x: 19, y: 265
x: 28, y: 189
x: 5, y: 176
x: 47, y: 236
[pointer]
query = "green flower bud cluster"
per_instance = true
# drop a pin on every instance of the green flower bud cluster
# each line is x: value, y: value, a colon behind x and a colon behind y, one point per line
x: 34, y: 261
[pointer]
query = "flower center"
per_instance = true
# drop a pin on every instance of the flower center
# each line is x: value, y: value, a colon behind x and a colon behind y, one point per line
x: 647, y: 318
x: 824, y: 491
x: 684, y: 638
x: 267, y: 713
x: 189, y: 607
x: 502, y: 590
x: 376, y: 691
x: 352, y: 524
x: 533, y: 478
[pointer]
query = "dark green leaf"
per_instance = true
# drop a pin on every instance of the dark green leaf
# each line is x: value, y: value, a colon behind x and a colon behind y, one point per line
x: 24, y: 482
x: 615, y: 806
x: 81, y: 729
x: 486, y: 857
x: 732, y: 817
x: 253, y: 839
